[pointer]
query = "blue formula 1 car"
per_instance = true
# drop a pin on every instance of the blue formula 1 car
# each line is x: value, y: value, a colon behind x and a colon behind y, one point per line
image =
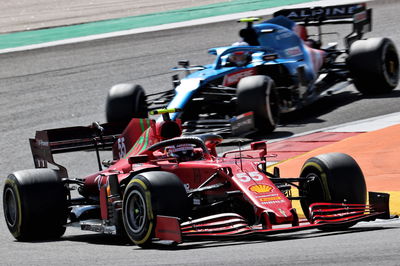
x: 277, y: 68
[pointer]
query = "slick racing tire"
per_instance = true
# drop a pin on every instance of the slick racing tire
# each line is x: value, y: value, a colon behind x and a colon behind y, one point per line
x: 35, y: 205
x: 125, y: 101
x: 258, y: 94
x: 150, y: 194
x: 374, y: 65
x: 337, y: 178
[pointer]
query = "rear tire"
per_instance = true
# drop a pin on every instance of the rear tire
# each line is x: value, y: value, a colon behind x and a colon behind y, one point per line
x: 35, y: 204
x: 374, y: 65
x: 148, y: 195
x: 258, y: 94
x: 125, y: 101
x: 337, y: 179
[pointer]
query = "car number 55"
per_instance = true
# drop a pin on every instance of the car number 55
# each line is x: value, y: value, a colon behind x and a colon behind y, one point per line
x: 247, y: 177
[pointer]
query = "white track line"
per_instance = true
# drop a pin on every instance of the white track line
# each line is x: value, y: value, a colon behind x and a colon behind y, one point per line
x: 258, y: 13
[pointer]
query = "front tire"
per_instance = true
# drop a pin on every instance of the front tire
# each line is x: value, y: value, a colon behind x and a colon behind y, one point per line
x: 374, y: 65
x: 35, y: 204
x: 258, y: 94
x: 337, y: 179
x: 148, y: 195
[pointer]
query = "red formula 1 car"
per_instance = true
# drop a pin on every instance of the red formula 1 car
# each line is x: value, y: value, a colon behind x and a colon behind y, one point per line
x: 164, y: 187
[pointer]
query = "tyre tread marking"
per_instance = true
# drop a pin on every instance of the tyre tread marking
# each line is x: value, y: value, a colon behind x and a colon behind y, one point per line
x: 149, y: 210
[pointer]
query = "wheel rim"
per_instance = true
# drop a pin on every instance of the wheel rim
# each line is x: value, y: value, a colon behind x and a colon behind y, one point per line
x: 268, y: 105
x: 10, y: 207
x: 391, y: 66
x: 312, y: 191
x: 315, y: 186
x: 136, y: 211
x: 271, y: 105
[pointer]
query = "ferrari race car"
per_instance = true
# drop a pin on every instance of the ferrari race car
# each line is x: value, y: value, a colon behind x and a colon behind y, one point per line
x: 162, y: 187
x: 277, y: 68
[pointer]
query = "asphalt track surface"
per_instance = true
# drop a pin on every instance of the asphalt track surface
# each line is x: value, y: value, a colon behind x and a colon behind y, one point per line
x: 23, y: 15
x: 66, y: 86
x: 70, y: 16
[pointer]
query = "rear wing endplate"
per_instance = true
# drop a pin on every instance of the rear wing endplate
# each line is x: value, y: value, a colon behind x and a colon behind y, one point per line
x: 69, y: 139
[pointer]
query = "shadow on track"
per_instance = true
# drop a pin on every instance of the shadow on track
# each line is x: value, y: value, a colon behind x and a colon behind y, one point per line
x: 270, y: 238
x: 311, y: 114
x: 102, y: 239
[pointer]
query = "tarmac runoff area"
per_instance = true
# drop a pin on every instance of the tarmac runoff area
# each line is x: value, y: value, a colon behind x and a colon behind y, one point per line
x: 374, y: 143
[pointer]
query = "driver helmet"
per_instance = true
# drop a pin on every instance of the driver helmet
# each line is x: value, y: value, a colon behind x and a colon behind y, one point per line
x: 239, y: 58
x: 182, y: 152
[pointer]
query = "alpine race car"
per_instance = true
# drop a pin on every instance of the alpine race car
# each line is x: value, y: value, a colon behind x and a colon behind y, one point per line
x: 162, y: 187
x: 277, y: 68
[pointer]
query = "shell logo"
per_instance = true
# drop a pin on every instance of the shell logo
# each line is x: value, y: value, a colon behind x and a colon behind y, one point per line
x: 260, y: 188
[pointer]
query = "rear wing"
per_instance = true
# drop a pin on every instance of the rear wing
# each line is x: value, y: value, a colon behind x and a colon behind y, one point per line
x: 340, y: 13
x: 69, y: 139
x: 357, y: 14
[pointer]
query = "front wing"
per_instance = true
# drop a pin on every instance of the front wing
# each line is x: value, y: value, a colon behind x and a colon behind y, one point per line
x: 231, y: 225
